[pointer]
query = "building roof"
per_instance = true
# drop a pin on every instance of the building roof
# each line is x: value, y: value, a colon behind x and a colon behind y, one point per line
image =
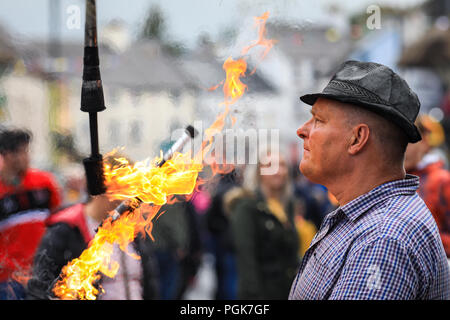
x: 324, y: 46
x: 145, y: 66
x: 433, y: 50
x: 204, y: 68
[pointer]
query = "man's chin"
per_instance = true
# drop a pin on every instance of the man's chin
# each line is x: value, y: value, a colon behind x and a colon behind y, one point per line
x: 303, y: 167
x: 307, y: 171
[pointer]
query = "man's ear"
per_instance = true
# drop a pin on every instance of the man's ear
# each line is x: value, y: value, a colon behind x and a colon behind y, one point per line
x: 360, y: 136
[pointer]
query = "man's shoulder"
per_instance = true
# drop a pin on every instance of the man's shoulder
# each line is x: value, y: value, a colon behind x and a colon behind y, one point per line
x: 70, y: 218
x: 407, y: 215
x: 407, y: 230
x: 404, y: 219
x: 36, y: 173
x: 35, y: 177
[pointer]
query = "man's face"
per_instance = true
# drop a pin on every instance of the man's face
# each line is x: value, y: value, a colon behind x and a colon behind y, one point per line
x: 18, y: 160
x: 325, y: 141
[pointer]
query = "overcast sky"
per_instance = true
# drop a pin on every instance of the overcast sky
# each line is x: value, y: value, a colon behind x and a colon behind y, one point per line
x: 186, y: 18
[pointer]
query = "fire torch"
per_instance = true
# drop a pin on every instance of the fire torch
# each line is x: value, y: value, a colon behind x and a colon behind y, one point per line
x: 92, y: 100
x: 130, y: 205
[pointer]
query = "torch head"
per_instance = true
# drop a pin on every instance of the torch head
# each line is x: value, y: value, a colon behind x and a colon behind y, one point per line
x: 191, y: 131
x: 93, y: 167
x: 92, y: 99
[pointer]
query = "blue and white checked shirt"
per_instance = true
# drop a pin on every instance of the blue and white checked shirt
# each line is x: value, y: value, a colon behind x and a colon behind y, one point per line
x: 382, y: 245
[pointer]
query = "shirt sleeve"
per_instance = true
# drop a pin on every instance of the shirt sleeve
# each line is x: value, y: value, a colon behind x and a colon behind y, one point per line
x: 381, y: 270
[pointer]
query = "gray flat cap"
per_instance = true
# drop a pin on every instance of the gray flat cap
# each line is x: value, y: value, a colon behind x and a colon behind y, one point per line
x: 377, y: 88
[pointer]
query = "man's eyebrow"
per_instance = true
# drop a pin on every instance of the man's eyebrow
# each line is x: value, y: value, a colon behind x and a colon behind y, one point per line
x: 314, y: 112
x: 318, y: 114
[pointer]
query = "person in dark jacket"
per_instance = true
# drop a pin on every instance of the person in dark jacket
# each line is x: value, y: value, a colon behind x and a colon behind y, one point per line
x: 265, y: 236
x: 190, y: 263
x: 177, y: 249
x: 68, y: 234
x: 222, y: 245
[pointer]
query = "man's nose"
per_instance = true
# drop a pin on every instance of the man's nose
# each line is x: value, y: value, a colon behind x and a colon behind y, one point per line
x: 302, y: 132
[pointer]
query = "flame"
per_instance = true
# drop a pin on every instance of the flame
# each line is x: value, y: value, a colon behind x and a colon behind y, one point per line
x: 262, y: 40
x: 233, y: 88
x: 216, y: 86
x: 80, y: 276
x: 154, y: 186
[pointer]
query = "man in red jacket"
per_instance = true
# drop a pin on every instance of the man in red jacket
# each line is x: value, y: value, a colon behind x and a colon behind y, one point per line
x: 26, y: 198
x: 422, y: 160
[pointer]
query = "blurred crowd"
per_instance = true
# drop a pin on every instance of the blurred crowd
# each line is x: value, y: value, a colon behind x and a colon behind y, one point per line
x: 255, y: 227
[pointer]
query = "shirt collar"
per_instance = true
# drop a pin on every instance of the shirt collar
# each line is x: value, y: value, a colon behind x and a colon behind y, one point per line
x: 363, y: 203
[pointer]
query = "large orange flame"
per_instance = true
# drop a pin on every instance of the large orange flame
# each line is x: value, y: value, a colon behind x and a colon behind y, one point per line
x: 154, y: 186
x: 80, y: 276
x: 150, y: 183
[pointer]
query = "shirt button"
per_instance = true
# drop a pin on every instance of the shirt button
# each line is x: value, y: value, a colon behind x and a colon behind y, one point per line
x: 269, y: 224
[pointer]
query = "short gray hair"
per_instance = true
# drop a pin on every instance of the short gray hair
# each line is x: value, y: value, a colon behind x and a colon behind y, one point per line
x: 387, y: 135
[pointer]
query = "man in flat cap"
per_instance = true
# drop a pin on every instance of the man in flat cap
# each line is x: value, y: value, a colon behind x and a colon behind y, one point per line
x: 382, y: 241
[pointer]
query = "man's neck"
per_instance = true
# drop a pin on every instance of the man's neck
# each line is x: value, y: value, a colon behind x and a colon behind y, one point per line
x: 351, y: 187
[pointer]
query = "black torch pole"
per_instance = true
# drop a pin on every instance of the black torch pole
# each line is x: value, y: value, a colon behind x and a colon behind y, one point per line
x: 92, y: 100
x: 129, y: 205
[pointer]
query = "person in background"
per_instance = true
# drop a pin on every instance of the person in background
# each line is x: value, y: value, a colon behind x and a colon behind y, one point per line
x: 172, y: 243
x: 191, y: 261
x: 219, y: 227
x: 74, y: 182
x: 306, y: 230
x: 27, y: 196
x: 68, y: 234
x: 264, y: 231
x: 423, y: 159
